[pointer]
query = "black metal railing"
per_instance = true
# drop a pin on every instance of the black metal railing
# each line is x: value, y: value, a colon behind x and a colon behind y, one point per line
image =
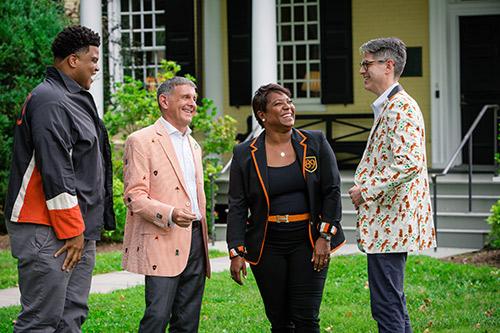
x: 342, y: 143
x: 467, y: 139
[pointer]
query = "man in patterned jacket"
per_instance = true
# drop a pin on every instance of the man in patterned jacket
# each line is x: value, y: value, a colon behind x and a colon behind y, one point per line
x: 391, y: 191
x: 60, y: 188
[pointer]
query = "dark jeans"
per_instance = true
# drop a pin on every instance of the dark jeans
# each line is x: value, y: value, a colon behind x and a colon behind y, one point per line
x: 386, y: 274
x: 177, y: 300
x: 290, y: 288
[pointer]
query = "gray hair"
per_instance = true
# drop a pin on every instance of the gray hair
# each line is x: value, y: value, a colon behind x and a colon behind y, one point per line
x: 387, y: 48
x: 166, y: 87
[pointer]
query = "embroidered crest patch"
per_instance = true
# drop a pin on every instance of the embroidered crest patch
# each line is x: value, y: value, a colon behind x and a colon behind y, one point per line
x: 311, y: 164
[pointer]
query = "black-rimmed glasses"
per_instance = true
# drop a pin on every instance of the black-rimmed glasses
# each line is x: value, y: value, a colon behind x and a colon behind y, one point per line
x: 367, y: 63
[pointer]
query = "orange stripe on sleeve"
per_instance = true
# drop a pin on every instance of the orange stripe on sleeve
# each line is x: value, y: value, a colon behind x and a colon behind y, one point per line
x: 67, y: 223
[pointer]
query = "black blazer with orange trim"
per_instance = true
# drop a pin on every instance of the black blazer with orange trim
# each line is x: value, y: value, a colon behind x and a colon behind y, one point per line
x: 248, y: 192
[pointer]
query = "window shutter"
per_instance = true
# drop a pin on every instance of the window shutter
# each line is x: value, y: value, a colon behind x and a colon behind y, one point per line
x: 179, y: 32
x: 239, y: 27
x: 336, y: 52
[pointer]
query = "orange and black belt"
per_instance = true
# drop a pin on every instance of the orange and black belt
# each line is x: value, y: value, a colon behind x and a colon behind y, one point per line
x: 289, y: 218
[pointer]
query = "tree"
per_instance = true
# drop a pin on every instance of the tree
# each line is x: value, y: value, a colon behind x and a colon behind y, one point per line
x: 27, y: 29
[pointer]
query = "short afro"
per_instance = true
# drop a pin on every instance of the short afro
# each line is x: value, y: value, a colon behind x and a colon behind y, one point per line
x: 74, y: 39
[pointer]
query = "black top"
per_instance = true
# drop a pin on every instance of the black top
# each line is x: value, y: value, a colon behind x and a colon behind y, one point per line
x: 287, y: 195
x: 287, y: 190
x: 61, y: 150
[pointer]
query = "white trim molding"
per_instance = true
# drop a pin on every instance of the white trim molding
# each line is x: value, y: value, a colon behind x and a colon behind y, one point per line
x: 445, y: 71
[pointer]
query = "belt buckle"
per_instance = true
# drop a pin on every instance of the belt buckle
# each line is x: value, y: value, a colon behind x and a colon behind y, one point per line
x: 282, y: 218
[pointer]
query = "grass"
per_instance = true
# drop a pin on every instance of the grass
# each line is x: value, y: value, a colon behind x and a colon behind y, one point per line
x: 105, y: 262
x: 442, y: 297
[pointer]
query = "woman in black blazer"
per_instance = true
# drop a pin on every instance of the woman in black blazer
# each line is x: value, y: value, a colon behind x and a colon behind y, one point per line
x: 284, y: 212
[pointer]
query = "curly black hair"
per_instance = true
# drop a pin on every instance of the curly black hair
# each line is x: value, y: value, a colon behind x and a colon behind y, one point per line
x: 74, y: 39
x: 259, y: 101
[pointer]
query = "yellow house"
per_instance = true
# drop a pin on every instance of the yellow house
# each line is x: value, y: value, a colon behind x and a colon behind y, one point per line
x: 311, y: 46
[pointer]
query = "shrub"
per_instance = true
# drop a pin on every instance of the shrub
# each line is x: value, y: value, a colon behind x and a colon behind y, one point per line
x: 494, y: 221
x: 27, y: 29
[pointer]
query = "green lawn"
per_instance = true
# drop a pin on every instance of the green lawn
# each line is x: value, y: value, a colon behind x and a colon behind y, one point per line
x: 105, y: 262
x: 442, y: 297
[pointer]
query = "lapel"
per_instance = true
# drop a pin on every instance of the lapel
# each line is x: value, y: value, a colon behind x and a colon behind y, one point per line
x: 169, y: 150
x: 300, y: 147
x: 195, y: 149
x: 393, y: 92
x: 258, y: 152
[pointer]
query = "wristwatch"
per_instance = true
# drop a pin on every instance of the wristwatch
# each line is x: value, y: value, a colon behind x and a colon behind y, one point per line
x: 326, y: 236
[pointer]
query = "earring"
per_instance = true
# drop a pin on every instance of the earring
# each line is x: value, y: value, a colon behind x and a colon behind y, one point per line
x: 263, y: 119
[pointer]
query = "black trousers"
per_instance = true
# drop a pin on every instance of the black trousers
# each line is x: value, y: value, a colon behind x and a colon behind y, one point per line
x: 290, y: 288
x: 177, y: 300
x: 386, y: 274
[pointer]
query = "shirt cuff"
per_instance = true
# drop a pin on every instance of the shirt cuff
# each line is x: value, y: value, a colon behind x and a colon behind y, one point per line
x: 170, y: 222
x: 327, y: 228
x: 237, y: 251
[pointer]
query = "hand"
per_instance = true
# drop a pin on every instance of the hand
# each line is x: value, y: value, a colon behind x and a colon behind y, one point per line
x: 356, y: 197
x: 74, y: 248
x: 321, y: 254
x: 183, y: 217
x: 238, y: 265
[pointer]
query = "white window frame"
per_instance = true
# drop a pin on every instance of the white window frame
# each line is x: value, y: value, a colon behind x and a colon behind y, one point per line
x: 157, y: 47
x: 313, y: 103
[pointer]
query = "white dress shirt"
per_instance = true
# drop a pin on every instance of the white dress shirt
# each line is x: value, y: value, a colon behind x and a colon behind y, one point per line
x: 185, y: 157
x: 379, y: 102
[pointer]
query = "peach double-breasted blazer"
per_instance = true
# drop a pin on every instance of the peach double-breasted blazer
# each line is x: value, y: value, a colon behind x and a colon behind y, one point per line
x: 154, y: 185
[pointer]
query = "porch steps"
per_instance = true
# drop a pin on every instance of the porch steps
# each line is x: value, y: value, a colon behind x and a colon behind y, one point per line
x: 457, y: 227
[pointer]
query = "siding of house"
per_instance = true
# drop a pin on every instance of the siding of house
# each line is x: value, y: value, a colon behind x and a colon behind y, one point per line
x: 406, y: 19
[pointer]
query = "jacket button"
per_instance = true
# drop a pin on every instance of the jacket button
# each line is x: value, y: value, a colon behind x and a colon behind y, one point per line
x: 155, y: 172
x: 154, y: 267
x: 128, y: 199
x: 188, y: 204
x: 159, y: 216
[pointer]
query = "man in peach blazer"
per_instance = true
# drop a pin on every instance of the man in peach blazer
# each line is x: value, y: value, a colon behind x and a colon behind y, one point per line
x: 166, y: 232
x: 391, y: 191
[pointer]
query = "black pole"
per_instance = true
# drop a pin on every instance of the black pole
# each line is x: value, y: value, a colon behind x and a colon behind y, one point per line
x: 470, y: 174
x: 212, y: 207
x: 434, y: 194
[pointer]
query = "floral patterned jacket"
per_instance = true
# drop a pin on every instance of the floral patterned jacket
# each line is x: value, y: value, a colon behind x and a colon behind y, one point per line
x: 392, y: 175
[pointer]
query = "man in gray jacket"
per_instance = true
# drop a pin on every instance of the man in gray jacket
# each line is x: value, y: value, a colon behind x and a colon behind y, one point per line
x: 60, y: 189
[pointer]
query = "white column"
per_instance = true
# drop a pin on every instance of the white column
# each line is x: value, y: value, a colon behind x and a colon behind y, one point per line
x: 264, y: 52
x: 90, y: 16
x: 440, y: 140
x: 114, y: 46
x: 212, y: 53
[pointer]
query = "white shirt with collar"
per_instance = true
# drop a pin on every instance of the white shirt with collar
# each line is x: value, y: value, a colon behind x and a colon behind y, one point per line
x: 184, y: 155
x: 377, y: 106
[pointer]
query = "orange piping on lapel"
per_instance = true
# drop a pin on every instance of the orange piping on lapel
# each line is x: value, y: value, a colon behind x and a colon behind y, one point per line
x: 254, y: 149
x: 338, y: 247
x: 304, y: 138
x: 310, y: 236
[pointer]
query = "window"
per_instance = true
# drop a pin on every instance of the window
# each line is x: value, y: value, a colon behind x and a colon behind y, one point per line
x: 143, y: 37
x: 299, y: 57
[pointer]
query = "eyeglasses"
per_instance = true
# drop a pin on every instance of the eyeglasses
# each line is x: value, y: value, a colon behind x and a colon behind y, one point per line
x: 367, y: 63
